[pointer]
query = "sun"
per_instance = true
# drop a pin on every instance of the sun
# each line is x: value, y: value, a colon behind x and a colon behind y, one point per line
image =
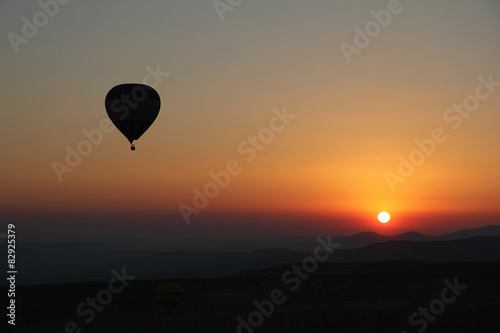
x: 384, y: 217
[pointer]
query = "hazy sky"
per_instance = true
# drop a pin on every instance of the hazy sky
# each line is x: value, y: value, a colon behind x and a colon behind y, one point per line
x: 354, y: 116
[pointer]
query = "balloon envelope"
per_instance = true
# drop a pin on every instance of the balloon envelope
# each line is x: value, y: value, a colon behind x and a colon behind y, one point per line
x: 132, y: 108
x: 169, y: 295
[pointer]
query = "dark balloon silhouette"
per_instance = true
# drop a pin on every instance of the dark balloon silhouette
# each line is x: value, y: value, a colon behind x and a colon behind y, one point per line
x: 169, y: 295
x: 132, y: 108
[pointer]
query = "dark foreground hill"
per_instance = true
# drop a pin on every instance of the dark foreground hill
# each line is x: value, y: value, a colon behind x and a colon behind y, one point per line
x: 358, y: 297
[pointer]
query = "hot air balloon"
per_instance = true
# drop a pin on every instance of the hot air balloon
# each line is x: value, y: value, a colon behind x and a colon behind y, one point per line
x: 169, y: 295
x: 132, y: 108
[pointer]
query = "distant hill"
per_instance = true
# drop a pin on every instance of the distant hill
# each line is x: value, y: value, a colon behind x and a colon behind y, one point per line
x: 363, y: 239
x: 80, y: 262
x: 491, y: 230
x: 366, y: 238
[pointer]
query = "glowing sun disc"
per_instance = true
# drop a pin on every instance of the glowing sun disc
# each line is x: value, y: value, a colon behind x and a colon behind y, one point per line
x: 384, y: 217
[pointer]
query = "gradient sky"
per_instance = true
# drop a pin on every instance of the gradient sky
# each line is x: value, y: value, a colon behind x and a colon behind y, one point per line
x: 325, y: 170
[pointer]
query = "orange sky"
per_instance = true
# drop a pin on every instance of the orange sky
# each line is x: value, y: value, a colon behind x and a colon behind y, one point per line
x: 226, y: 81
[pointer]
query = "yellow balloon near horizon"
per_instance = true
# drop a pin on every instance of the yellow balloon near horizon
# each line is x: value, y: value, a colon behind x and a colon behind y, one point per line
x: 384, y: 217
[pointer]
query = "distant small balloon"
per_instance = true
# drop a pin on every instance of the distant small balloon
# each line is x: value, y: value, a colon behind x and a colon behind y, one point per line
x: 132, y: 107
x: 169, y: 295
